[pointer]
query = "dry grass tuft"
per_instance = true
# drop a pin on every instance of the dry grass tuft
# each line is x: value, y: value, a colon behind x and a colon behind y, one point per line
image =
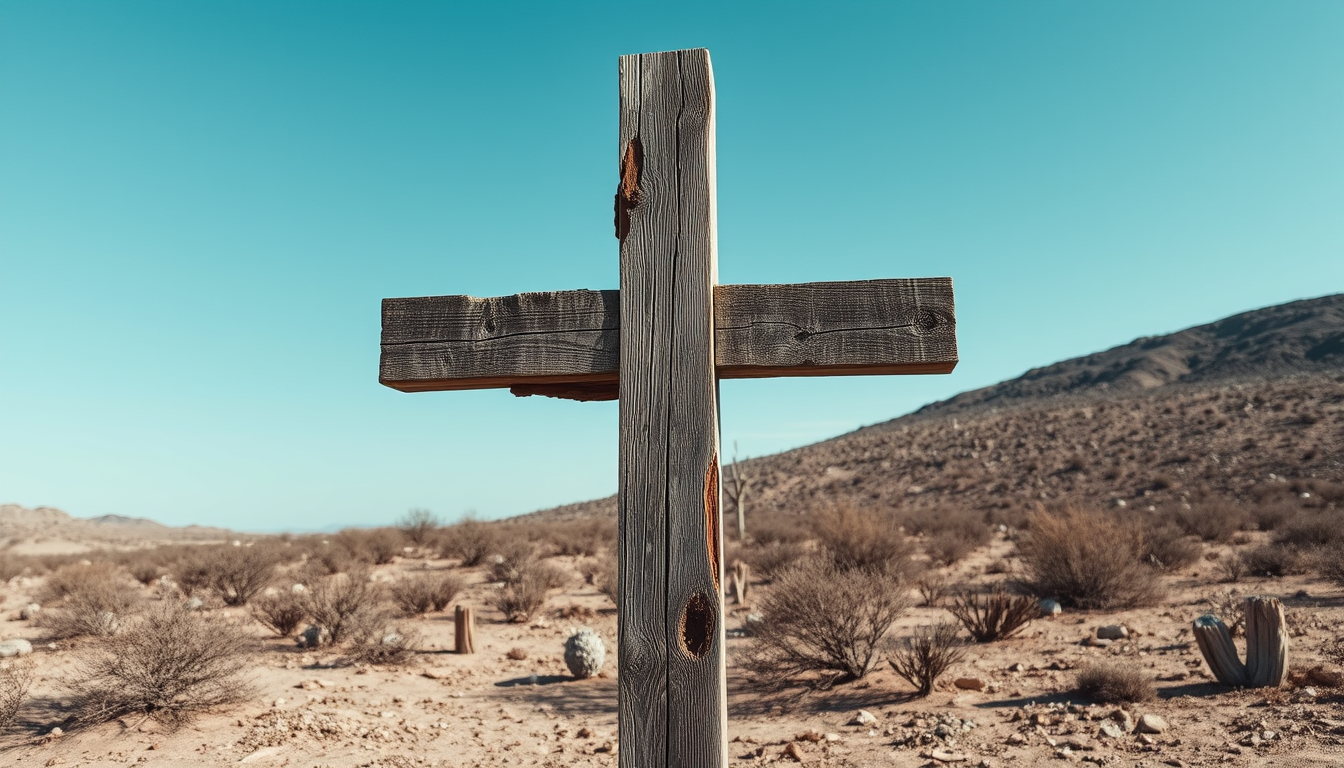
x: 16, y: 677
x: 994, y: 616
x: 1089, y: 560
x: 424, y: 592
x: 820, y: 618
x: 343, y: 604
x: 926, y: 656
x: 170, y: 664
x: 1108, y: 683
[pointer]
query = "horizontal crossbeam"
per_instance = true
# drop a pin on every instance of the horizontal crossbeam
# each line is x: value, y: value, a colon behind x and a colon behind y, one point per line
x: 567, y: 343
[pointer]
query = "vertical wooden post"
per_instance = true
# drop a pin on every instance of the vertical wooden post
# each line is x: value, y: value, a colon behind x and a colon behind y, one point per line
x: 464, y: 631
x: 672, y: 694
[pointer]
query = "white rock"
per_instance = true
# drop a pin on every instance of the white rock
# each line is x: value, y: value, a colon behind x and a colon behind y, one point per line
x: 1151, y: 724
x: 30, y: 611
x: 16, y: 647
x: 1112, y: 632
x: 863, y: 717
x: 1051, y: 608
x: 585, y: 653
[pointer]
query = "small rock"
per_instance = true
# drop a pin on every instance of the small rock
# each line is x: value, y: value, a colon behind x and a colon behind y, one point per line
x: 1151, y: 724
x: 969, y: 683
x: 1269, y: 735
x: 793, y: 751
x: 1112, y: 730
x: 1325, y: 676
x: 16, y: 647
x: 947, y: 756
x: 1051, y: 608
x: 863, y: 717
x: 1146, y: 740
x: 314, y: 637
x: 1018, y: 667
x: 1098, y: 642
x: 584, y: 653
x: 517, y: 654
x: 1112, y: 632
x: 832, y: 737
x: 584, y: 733
x: 30, y: 611
x: 1121, y: 718
x: 809, y: 735
x: 1016, y: 738
x: 56, y: 732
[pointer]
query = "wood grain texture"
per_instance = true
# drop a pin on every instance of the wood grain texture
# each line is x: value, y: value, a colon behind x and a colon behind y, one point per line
x: 672, y: 690
x: 567, y: 343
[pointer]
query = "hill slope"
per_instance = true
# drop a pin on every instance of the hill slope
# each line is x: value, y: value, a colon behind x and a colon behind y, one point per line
x: 1251, y: 406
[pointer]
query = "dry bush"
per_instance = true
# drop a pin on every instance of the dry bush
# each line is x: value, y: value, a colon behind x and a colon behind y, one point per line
x: 95, y: 608
x: 1271, y: 515
x: 11, y: 566
x: 779, y: 529
x: 239, y: 574
x: 471, y: 541
x: 1108, y: 683
x: 820, y: 618
x: 1212, y: 520
x: 1232, y: 567
x: 75, y: 578
x: 193, y: 574
x: 1168, y: 547
x: 16, y: 677
x: 419, y: 526
x: 169, y: 664
x: 951, y: 532
x: 949, y: 547
x: 933, y: 587
x: 861, y: 538
x: 768, y: 561
x: 584, y: 538
x: 605, y: 577
x: 511, y: 560
x: 343, y: 603
x: 1275, y: 560
x: 994, y: 616
x: 1332, y: 566
x: 1316, y: 529
x: 1089, y: 560
x: 377, y: 642
x: 926, y: 656
x: 282, y: 613
x: 374, y: 546
x: 520, y: 600
x: 328, y: 560
x: 424, y: 592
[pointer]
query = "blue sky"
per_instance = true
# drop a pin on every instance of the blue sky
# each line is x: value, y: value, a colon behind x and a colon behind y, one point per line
x: 201, y: 205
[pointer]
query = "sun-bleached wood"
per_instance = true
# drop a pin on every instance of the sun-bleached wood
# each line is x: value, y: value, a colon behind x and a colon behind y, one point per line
x: 464, y: 630
x: 673, y: 708
x: 567, y: 343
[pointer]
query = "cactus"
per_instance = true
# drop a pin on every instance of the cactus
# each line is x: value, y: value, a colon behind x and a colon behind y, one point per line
x: 1266, y: 646
x: 584, y: 653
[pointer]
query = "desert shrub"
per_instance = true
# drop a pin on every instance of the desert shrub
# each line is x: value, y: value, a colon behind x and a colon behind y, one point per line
x: 585, y: 538
x: 471, y: 541
x: 1268, y: 516
x: 282, y: 613
x: 1232, y: 567
x: 927, y: 655
x: 821, y: 618
x: 1332, y: 566
x: 96, y: 608
x: 16, y: 677
x: 1108, y: 683
x: 193, y: 574
x: 862, y: 538
x: 10, y: 566
x: 949, y: 547
x: 521, y: 599
x: 342, y: 604
x: 767, y: 561
x: 605, y: 575
x: 419, y: 525
x: 933, y: 587
x: 1212, y: 520
x: 1167, y: 547
x: 239, y: 574
x: 328, y: 560
x: 377, y: 642
x: 951, y: 531
x: 511, y: 560
x: 1312, y: 530
x: 75, y: 578
x: 424, y: 592
x: 996, y: 615
x: 375, y: 546
x: 1088, y: 560
x: 169, y: 664
x: 1275, y: 560
x: 779, y: 529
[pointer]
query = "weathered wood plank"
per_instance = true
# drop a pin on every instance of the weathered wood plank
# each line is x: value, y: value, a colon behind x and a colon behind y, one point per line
x: 567, y: 343
x: 672, y: 694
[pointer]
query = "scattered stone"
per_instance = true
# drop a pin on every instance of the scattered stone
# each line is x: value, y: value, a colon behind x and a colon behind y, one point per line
x: 585, y: 653
x: 517, y: 654
x: 1112, y: 730
x: 1147, y: 740
x: 832, y: 737
x: 1097, y: 642
x: 863, y: 717
x: 30, y: 611
x: 793, y: 751
x: 16, y: 647
x: 1018, y: 667
x: 1016, y: 739
x: 1112, y: 632
x: 1051, y: 608
x: 584, y: 733
x: 56, y: 732
x: 314, y: 637
x: 969, y: 683
x: 809, y: 735
x: 1121, y: 718
x: 1325, y: 676
x: 1151, y: 724
x: 946, y: 756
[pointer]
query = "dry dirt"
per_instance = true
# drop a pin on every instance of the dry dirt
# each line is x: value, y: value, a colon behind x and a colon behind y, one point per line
x: 312, y: 709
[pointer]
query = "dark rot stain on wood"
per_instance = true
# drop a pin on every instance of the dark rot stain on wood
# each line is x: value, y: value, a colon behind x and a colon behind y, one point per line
x: 712, y: 543
x: 627, y: 192
x: 697, y: 626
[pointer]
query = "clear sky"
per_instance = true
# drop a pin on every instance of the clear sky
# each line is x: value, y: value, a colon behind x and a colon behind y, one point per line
x: 202, y: 204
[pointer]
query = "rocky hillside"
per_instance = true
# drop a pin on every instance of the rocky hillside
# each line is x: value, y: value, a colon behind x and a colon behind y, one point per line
x: 1248, y: 408
x: 45, y: 530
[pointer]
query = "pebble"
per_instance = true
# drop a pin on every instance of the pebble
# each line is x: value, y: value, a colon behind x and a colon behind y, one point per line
x: 1112, y: 632
x: 16, y: 647
x: 1151, y: 724
x: 863, y: 717
x: 969, y: 683
x: 1051, y: 608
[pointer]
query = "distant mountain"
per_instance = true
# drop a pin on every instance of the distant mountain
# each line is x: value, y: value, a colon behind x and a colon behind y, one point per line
x: 49, y: 530
x: 1246, y: 408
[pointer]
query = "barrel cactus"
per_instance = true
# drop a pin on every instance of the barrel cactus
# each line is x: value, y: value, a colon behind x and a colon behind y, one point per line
x: 585, y: 653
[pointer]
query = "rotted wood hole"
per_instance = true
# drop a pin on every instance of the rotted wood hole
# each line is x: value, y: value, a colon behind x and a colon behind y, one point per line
x: 627, y: 192
x: 697, y: 626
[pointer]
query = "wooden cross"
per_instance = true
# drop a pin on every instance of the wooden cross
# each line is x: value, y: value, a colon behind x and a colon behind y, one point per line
x: 661, y: 344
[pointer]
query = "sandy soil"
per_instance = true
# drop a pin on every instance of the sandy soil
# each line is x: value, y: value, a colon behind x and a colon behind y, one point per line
x: 313, y: 710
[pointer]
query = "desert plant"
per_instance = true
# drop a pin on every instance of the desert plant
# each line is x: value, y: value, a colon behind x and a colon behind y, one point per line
x: 74, y: 578
x: 1167, y: 547
x: 1088, y: 560
x: 377, y: 642
x: 240, y: 573
x: 1109, y: 683
x: 16, y: 677
x: 994, y: 616
x: 375, y: 546
x: 820, y: 618
x: 1212, y: 520
x: 472, y: 541
x: 1275, y: 560
x: 419, y: 526
x: 342, y: 604
x: 605, y: 575
x: 282, y: 613
x: 862, y: 538
x: 169, y: 664
x: 1332, y: 566
x: 933, y: 587
x: 769, y: 560
x: 424, y: 592
x: 521, y: 599
x: 927, y: 655
x: 1232, y: 567
x: 512, y: 560
x: 93, y: 608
